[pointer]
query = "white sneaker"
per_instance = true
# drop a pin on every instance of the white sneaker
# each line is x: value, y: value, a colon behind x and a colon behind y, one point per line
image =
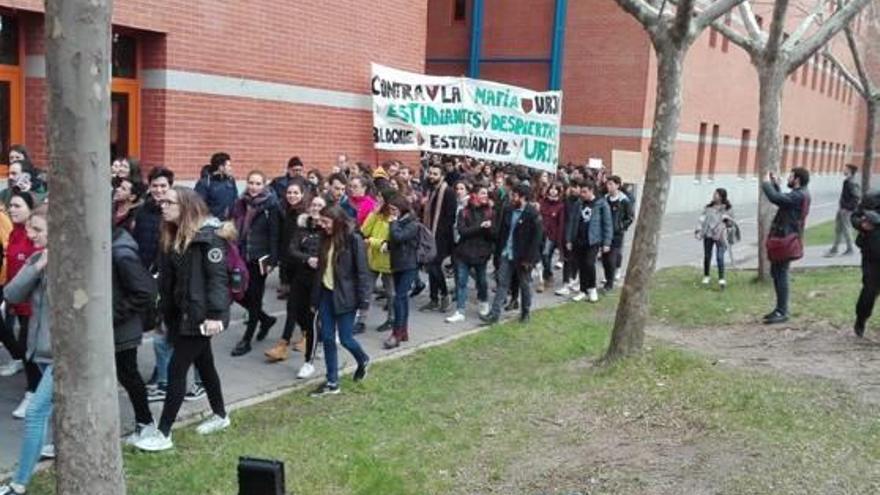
x: 155, y: 442
x: 11, y: 368
x: 484, y: 308
x: 707, y: 280
x: 722, y: 283
x: 140, y: 432
x: 617, y: 277
x: 593, y: 295
x: 558, y: 265
x: 21, y: 411
x: 213, y: 424
x: 47, y: 452
x: 306, y: 371
x: 455, y: 318
x: 563, y: 291
x: 580, y: 296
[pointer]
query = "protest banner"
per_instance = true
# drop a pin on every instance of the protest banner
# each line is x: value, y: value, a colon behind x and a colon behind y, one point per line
x: 461, y: 116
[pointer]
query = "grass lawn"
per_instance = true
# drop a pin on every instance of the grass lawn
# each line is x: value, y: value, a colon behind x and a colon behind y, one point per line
x: 520, y: 409
x: 822, y: 234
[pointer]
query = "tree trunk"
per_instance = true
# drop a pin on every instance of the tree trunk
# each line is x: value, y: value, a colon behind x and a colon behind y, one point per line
x: 870, y: 138
x: 86, y: 401
x: 771, y: 78
x: 632, y: 311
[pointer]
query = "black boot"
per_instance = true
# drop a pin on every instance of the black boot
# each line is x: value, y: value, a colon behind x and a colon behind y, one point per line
x: 265, y: 325
x: 385, y: 326
x: 243, y: 347
x: 859, y: 327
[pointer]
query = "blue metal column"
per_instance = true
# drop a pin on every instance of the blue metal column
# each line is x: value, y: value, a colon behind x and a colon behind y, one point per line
x: 558, y: 45
x: 476, y: 39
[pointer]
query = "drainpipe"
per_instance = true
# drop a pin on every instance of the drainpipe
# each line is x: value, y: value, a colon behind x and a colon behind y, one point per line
x: 558, y: 45
x: 476, y: 39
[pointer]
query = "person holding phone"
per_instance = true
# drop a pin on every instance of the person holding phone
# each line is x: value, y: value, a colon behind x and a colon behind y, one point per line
x: 194, y: 302
x: 257, y: 217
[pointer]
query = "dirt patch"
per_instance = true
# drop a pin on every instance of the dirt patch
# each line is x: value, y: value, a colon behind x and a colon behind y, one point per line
x: 811, y: 349
x: 580, y: 453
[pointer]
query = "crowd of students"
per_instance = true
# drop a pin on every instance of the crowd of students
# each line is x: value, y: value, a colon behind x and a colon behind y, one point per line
x: 182, y: 257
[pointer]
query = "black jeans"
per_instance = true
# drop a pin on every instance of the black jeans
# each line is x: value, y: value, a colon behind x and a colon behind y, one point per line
x: 611, y: 264
x: 190, y: 351
x: 870, y: 289
x: 720, y: 250
x: 299, y: 311
x: 779, y: 272
x: 586, y: 258
x: 17, y: 347
x: 130, y: 378
x: 569, y: 266
x: 437, y: 279
x: 253, y: 299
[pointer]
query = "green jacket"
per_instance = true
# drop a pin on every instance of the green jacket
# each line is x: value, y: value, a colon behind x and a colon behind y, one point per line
x: 377, y: 230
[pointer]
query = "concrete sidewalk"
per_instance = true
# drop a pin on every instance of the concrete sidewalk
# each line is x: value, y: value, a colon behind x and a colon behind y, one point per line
x: 248, y: 378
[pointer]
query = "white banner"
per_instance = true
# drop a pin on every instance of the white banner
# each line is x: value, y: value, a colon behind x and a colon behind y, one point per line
x: 461, y: 116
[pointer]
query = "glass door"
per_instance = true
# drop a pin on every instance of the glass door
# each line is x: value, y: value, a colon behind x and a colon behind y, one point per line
x: 125, y: 101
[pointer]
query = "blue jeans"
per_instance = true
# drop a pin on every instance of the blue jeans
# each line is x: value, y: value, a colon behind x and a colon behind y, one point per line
x: 720, y: 250
x: 403, y: 281
x: 506, y: 271
x: 462, y: 274
x: 35, y: 425
x: 779, y: 272
x: 163, y: 350
x: 344, y: 323
x: 547, y: 258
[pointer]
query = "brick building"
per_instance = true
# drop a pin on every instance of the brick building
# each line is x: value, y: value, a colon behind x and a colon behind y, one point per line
x: 261, y: 80
x: 604, y: 63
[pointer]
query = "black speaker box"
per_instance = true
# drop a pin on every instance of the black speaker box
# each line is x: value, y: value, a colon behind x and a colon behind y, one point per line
x: 260, y: 477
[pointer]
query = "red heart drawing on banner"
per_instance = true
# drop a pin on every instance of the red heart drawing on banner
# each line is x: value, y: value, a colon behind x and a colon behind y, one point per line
x: 527, y: 105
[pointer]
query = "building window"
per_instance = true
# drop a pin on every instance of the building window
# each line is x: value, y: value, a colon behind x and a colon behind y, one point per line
x: 124, y: 56
x: 8, y: 40
x: 795, y: 152
x: 125, y: 98
x: 805, y: 74
x: 713, y: 37
x: 713, y: 151
x: 823, y: 157
x: 744, y: 152
x: 460, y: 10
x: 815, y: 154
x: 701, y: 151
x: 815, y: 72
x: 785, y: 142
x: 725, y: 43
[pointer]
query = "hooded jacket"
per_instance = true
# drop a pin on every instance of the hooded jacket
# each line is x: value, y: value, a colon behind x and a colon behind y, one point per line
x: 219, y: 192
x: 134, y: 290
x: 261, y: 238
x: 377, y: 231
x: 553, y: 216
x: 18, y: 251
x: 351, y: 281
x: 403, y: 243
x: 305, y: 244
x: 193, y: 285
x: 475, y: 244
x: 30, y: 286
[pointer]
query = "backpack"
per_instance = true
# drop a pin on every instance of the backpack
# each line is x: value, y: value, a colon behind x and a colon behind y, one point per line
x: 236, y: 269
x: 426, y: 250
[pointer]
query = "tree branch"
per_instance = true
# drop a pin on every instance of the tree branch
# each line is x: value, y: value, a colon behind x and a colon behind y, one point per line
x: 749, y: 45
x: 714, y: 11
x: 805, y: 24
x: 748, y: 18
x: 857, y: 60
x: 644, y: 12
x: 805, y: 49
x: 684, y: 13
x: 859, y: 85
x: 777, y: 26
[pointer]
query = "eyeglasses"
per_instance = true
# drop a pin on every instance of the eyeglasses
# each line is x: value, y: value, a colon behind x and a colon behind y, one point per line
x: 167, y: 202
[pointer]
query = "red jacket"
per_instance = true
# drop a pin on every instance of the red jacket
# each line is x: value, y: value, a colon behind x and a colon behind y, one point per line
x: 19, y: 249
x: 553, y: 216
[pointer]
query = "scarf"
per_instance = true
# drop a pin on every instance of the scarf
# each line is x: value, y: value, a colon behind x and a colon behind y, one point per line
x: 252, y: 206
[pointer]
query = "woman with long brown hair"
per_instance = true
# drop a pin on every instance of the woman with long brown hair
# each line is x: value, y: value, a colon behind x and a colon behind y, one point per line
x: 194, y: 295
x: 342, y: 287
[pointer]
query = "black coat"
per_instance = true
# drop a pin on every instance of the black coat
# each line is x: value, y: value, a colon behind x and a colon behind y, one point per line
x: 305, y: 244
x: 351, y: 279
x: 849, y: 195
x: 443, y: 233
x: 790, y: 214
x: 475, y: 244
x: 289, y: 225
x: 403, y: 242
x: 193, y: 285
x: 134, y: 290
x: 262, y: 238
x: 146, y: 231
x: 526, y: 235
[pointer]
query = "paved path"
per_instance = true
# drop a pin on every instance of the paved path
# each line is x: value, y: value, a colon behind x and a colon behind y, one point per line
x: 249, y: 376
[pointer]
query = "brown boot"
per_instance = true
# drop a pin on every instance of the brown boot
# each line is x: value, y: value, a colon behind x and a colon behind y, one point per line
x: 279, y: 352
x: 392, y: 341
x: 300, y: 345
x: 403, y: 335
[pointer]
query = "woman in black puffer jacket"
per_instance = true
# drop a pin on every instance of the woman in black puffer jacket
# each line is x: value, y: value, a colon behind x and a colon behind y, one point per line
x: 257, y: 218
x: 475, y: 243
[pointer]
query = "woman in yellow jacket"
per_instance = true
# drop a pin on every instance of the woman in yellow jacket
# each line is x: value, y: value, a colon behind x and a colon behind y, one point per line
x: 376, y: 231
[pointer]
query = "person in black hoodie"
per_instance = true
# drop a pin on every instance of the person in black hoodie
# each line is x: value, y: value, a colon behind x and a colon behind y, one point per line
x: 439, y: 216
x: 134, y: 290
x: 194, y: 300
x: 341, y: 289
x: 256, y: 216
x: 475, y: 238
x: 790, y: 219
x: 867, y: 223
x: 590, y: 232
x: 519, y: 237
x: 849, y: 199
x: 149, y: 217
x: 622, y: 216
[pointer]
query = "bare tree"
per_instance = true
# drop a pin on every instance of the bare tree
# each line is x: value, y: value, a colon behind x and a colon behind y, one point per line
x: 775, y: 55
x: 86, y: 412
x: 672, y: 28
